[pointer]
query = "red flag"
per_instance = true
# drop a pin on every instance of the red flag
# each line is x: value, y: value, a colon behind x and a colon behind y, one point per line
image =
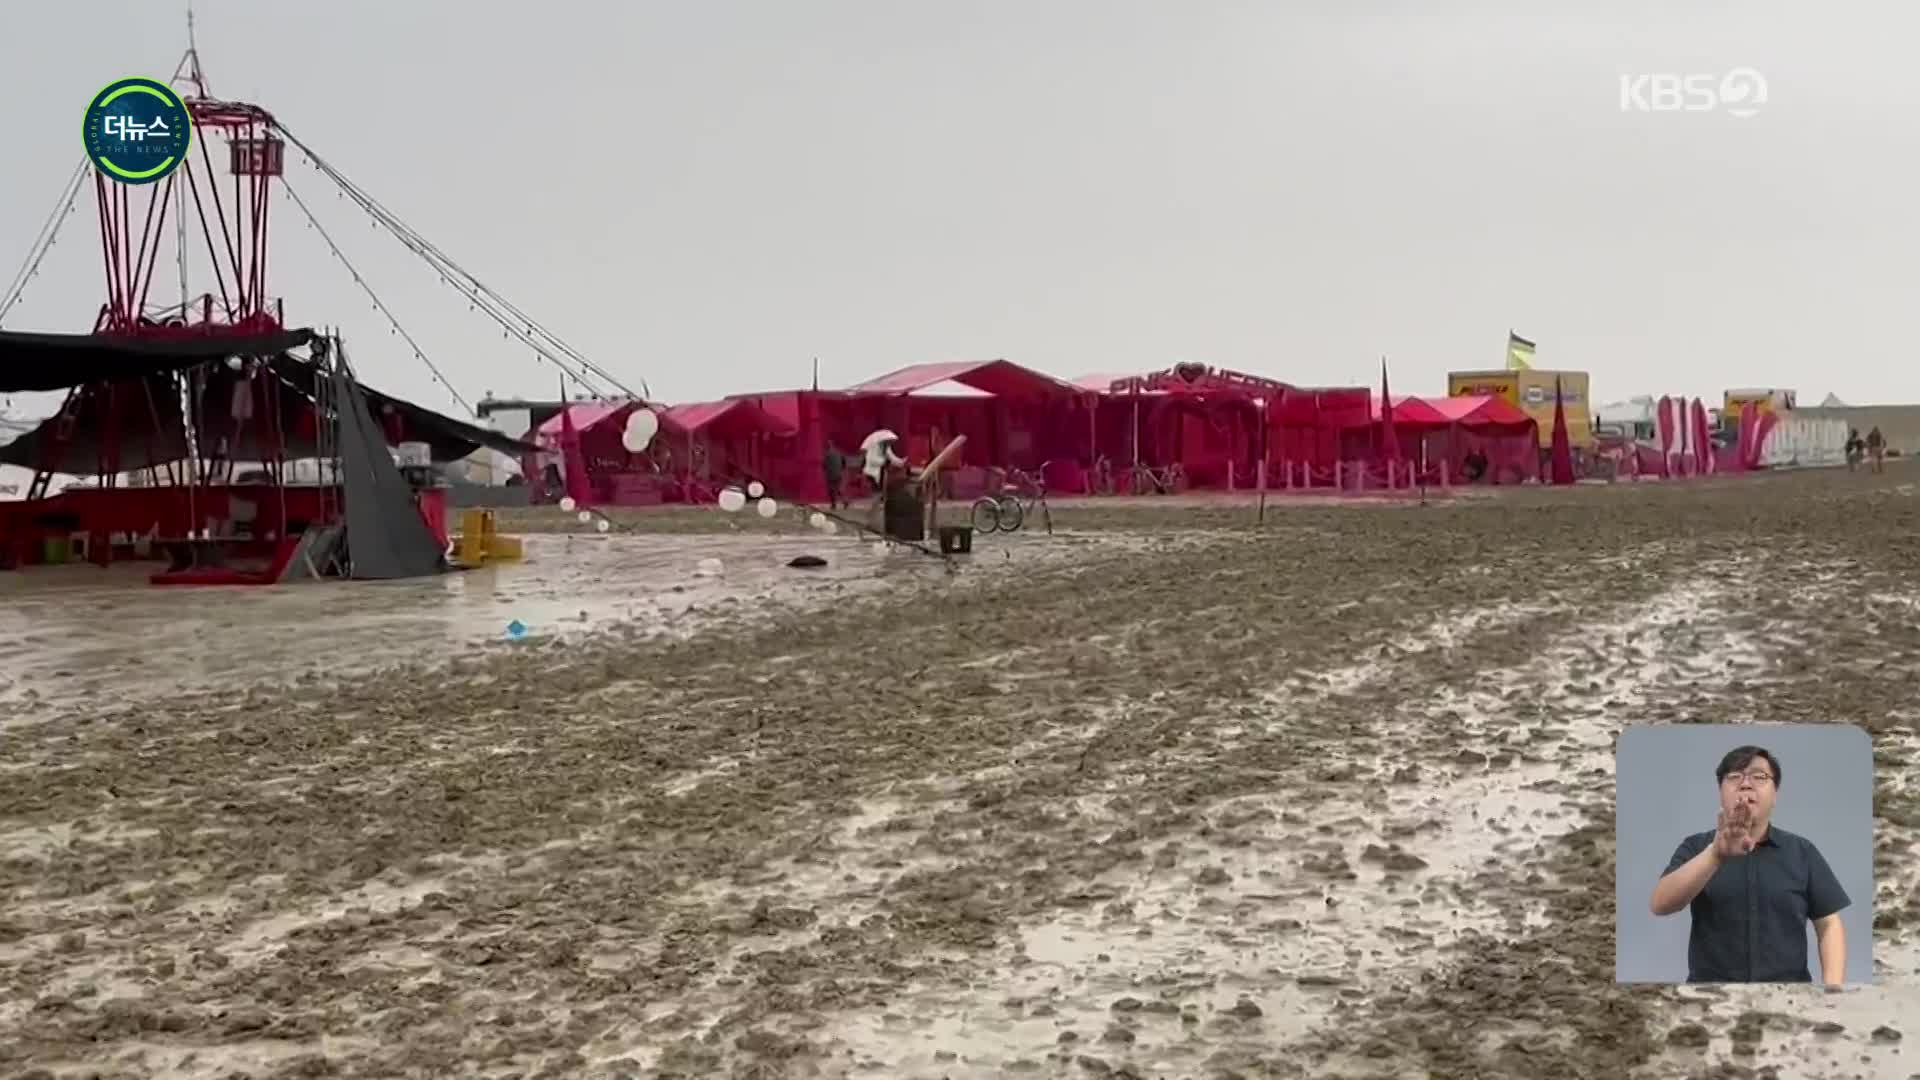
x: 1562, y: 458
x: 1682, y: 438
x: 1665, y: 418
x: 1391, y: 449
x: 1702, y: 439
x: 572, y: 460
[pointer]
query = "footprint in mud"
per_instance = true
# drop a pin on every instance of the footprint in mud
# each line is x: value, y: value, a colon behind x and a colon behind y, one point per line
x: 1393, y: 858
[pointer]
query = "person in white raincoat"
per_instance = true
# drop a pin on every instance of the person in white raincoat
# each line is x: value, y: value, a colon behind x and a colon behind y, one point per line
x: 880, y: 457
x: 880, y: 461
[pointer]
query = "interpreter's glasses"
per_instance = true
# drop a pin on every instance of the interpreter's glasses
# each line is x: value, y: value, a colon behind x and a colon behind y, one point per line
x: 1759, y: 777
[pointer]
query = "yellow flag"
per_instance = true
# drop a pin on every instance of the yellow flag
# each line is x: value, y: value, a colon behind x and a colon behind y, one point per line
x: 1519, y: 352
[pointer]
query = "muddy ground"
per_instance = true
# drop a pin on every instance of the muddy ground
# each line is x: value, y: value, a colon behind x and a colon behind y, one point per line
x: 1166, y: 796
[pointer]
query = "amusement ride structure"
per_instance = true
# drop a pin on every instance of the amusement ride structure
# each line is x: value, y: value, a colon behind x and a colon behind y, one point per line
x: 171, y: 389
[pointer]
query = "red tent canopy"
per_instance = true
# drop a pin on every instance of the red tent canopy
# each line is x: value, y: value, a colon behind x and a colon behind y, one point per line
x: 1411, y: 410
x: 1469, y: 411
x: 730, y: 419
x: 999, y: 377
x: 1481, y: 411
x: 586, y: 415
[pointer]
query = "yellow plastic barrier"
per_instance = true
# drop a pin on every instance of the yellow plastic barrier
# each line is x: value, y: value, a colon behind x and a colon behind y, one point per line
x: 480, y: 542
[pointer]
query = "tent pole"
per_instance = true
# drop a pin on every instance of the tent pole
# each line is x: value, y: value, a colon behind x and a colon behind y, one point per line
x: 1260, y: 469
x: 1136, y: 427
x: 192, y: 387
x: 1093, y: 440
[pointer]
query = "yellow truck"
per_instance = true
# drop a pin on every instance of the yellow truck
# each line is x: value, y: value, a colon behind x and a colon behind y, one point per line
x: 1768, y: 399
x: 1532, y: 390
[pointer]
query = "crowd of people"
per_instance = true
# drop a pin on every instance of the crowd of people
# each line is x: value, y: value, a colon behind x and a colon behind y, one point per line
x: 1873, y: 446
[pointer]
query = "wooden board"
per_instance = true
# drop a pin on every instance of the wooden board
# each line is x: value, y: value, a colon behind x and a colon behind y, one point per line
x: 940, y: 460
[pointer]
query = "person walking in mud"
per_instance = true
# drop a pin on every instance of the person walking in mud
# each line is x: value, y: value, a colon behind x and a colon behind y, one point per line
x: 1752, y: 887
x: 1877, y: 448
x: 882, y: 467
x: 835, y: 466
x: 1474, y: 469
x: 1856, y: 449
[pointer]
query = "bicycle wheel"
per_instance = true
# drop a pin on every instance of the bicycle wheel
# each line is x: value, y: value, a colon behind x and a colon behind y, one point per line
x: 985, y: 515
x: 1012, y: 514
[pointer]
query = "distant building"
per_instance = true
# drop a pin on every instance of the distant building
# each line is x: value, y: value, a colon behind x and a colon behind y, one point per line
x: 1899, y: 423
x: 516, y: 416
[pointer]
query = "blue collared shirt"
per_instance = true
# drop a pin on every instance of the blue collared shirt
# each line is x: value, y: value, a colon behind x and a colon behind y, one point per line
x: 1750, y: 922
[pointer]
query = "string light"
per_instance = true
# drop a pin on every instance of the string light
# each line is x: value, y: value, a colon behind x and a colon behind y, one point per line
x: 496, y: 307
x: 49, y: 235
x: 395, y: 329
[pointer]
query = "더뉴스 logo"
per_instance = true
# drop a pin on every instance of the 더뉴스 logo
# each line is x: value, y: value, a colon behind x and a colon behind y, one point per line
x: 137, y: 131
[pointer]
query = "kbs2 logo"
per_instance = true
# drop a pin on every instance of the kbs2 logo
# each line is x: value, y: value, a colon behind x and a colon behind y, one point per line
x: 1739, y: 93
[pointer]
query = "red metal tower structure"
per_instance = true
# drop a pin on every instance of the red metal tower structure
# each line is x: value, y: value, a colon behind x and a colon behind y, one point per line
x: 229, y: 222
x: 214, y: 208
x: 232, y: 223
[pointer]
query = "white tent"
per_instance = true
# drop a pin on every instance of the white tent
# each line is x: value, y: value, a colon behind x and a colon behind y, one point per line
x: 1634, y: 410
x: 13, y: 480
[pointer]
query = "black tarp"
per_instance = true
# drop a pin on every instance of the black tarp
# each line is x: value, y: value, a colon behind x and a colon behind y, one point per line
x: 386, y: 536
x: 63, y: 361
x: 450, y: 439
x: 141, y: 419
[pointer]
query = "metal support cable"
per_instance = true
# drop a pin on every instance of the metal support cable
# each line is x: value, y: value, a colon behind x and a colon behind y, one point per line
x: 477, y: 299
x: 428, y: 250
x: 541, y: 339
x: 358, y: 279
x: 44, y: 239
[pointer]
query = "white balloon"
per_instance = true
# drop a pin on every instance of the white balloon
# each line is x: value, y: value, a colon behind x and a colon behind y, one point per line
x: 604, y: 525
x: 643, y: 424
x: 235, y: 363
x: 636, y: 442
x: 732, y: 500
x: 768, y: 508
x: 584, y: 516
x: 756, y: 489
x: 567, y: 504
x: 818, y: 520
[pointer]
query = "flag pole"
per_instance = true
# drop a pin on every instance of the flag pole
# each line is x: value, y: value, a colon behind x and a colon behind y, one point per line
x: 1261, y: 470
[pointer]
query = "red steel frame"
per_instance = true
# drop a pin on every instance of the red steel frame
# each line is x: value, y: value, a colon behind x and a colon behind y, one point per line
x: 235, y: 237
x: 236, y: 244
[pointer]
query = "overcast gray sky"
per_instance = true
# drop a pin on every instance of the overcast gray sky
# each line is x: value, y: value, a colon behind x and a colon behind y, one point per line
x: 708, y: 194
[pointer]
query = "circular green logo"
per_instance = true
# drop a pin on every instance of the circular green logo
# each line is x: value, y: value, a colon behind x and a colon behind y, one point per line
x: 137, y: 131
